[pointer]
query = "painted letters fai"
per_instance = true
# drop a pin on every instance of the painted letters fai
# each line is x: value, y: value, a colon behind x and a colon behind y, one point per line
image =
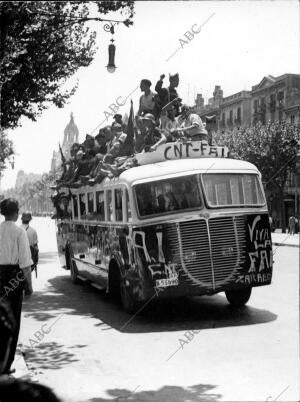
x: 257, y: 269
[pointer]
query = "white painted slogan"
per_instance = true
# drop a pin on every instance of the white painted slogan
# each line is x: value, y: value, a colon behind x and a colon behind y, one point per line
x: 182, y: 150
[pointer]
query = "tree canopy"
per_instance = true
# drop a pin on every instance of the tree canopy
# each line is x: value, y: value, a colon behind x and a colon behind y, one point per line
x: 272, y: 148
x: 6, y: 151
x: 42, y: 45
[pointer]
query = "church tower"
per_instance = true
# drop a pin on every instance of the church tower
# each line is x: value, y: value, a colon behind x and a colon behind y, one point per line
x: 71, y: 135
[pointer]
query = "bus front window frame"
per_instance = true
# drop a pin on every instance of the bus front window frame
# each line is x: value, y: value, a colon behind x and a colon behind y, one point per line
x: 259, y: 187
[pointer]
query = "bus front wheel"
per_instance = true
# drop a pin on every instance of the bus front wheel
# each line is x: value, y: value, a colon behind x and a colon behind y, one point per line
x: 128, y: 301
x: 238, y: 298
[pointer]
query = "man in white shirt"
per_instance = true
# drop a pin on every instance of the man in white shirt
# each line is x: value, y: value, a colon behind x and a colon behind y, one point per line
x: 31, y: 233
x: 32, y: 238
x: 192, y: 125
x: 15, y: 267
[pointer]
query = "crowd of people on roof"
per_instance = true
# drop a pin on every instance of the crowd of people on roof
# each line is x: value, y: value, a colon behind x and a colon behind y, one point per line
x: 161, y: 118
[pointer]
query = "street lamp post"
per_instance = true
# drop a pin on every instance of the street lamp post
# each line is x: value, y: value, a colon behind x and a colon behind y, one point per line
x: 108, y: 27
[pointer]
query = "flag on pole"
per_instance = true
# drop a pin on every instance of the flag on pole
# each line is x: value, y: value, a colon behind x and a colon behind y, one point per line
x: 129, y: 142
x: 63, y: 159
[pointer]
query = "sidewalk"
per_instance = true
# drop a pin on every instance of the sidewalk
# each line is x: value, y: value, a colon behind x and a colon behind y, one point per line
x: 20, y: 366
x: 285, y: 239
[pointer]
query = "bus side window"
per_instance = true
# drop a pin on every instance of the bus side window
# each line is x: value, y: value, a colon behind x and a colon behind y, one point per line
x: 82, y: 198
x: 100, y: 205
x: 128, y: 208
x: 90, y: 204
x: 75, y: 207
x: 119, y: 205
x: 109, y: 206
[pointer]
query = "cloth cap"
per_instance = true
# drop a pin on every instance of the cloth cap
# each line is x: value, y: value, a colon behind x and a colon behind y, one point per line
x: 149, y: 116
x: 171, y: 77
x: 117, y: 115
x: 26, y: 216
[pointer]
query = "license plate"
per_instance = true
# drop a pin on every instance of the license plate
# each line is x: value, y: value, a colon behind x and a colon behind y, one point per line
x: 163, y: 283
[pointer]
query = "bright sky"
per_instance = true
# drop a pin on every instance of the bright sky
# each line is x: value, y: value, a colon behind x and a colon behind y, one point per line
x: 240, y: 44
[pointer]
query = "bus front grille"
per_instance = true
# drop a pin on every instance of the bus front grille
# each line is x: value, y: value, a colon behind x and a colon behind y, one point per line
x: 228, y: 244
x: 208, y: 252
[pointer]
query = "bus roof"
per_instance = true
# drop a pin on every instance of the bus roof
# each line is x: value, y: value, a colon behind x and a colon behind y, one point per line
x: 182, y: 166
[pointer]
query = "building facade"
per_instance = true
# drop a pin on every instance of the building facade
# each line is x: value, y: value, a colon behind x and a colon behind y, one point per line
x: 276, y: 99
x: 272, y: 99
x: 235, y: 110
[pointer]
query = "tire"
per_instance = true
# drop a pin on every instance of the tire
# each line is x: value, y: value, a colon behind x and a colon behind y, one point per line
x: 238, y: 298
x: 114, y: 282
x: 120, y: 290
x: 129, y: 303
x: 74, y: 272
x: 68, y: 257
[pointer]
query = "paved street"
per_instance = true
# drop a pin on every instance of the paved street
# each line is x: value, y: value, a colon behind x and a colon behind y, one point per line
x: 80, y: 343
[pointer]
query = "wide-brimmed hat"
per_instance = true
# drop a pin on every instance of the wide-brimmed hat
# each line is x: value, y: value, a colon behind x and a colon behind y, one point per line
x: 149, y: 116
x: 26, y: 216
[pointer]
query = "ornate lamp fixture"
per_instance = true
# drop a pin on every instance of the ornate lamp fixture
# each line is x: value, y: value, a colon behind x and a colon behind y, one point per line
x: 111, y: 68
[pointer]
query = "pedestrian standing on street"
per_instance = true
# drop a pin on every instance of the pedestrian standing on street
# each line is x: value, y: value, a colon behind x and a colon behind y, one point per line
x: 292, y: 225
x: 32, y: 238
x: 15, y: 268
x: 296, y: 225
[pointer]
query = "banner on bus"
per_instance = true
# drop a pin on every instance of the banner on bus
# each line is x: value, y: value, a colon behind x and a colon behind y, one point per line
x: 182, y: 150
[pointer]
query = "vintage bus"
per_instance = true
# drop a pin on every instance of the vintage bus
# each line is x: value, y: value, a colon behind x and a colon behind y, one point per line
x: 177, y: 225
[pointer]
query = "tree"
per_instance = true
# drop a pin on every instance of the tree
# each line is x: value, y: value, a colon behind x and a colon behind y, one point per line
x: 6, y: 151
x: 42, y: 45
x: 272, y: 148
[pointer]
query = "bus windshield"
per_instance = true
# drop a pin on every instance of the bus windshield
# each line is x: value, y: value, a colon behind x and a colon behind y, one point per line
x: 234, y: 189
x: 169, y: 195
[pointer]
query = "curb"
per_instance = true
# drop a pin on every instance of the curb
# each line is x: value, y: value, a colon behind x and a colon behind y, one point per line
x: 285, y: 244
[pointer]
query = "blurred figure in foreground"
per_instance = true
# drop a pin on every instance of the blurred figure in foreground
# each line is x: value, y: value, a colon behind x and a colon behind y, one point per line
x: 25, y: 391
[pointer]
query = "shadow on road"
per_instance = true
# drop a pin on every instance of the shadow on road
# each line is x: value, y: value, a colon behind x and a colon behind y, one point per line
x: 200, y: 313
x: 49, y: 355
x: 195, y: 393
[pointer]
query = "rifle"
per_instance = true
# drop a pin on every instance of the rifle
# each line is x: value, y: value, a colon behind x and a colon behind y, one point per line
x: 63, y: 159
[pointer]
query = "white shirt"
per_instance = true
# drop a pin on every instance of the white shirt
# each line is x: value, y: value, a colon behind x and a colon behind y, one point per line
x: 197, y: 126
x: 31, y: 234
x: 14, y: 245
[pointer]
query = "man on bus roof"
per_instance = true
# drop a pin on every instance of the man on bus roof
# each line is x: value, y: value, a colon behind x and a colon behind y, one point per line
x: 192, y: 125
